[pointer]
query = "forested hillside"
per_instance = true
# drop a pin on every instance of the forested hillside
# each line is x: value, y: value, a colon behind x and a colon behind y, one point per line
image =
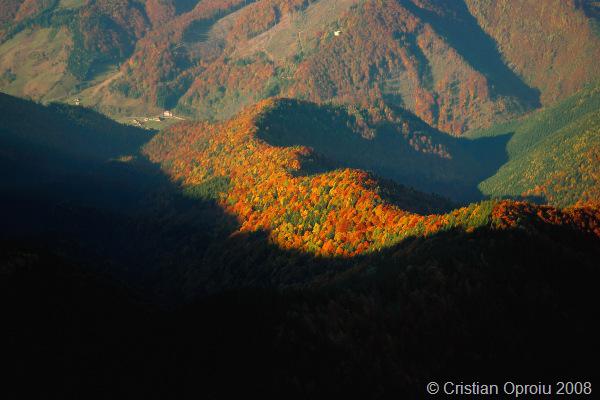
x: 553, y: 155
x: 307, y: 199
x: 553, y: 50
x: 324, y: 209
x: 448, y: 63
x: 268, y: 265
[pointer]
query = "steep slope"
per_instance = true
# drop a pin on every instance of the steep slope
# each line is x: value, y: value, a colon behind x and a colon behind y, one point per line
x: 554, y: 47
x: 433, y: 59
x: 65, y: 46
x: 390, y: 53
x: 160, y: 69
x: 386, y: 56
x: 449, y: 64
x: 68, y: 131
x: 553, y: 154
x: 403, y: 148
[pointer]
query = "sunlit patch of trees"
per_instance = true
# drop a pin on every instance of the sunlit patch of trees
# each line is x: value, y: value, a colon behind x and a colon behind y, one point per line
x: 335, y: 213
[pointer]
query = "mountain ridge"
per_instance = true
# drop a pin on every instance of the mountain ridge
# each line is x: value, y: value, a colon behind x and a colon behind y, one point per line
x: 335, y: 212
x: 117, y: 276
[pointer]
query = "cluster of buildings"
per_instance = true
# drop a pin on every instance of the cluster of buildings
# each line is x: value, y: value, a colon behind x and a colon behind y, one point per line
x: 166, y: 114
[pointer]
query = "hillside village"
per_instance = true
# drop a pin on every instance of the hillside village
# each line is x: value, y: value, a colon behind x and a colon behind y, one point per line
x: 143, y: 122
x: 163, y: 120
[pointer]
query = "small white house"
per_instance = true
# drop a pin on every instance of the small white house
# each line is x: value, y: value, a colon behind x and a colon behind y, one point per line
x: 167, y: 114
x: 337, y: 33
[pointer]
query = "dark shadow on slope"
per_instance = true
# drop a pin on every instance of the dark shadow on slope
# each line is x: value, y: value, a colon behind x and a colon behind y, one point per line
x: 197, y: 31
x: 74, y: 183
x: 460, y: 28
x: 66, y: 131
x: 452, y: 305
x: 419, y: 156
x: 405, y: 197
x: 591, y: 8
x: 184, y: 6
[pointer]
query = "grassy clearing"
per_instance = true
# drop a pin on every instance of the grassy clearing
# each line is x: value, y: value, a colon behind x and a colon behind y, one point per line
x: 71, y: 4
x: 35, y: 62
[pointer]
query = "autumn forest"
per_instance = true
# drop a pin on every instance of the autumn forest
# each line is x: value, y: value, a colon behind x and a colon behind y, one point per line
x: 298, y: 198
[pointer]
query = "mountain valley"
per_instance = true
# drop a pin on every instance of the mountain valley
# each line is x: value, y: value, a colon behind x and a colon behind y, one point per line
x: 297, y: 198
